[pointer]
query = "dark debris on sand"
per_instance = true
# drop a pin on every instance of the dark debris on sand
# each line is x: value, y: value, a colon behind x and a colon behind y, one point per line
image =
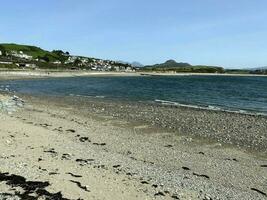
x: 32, y: 190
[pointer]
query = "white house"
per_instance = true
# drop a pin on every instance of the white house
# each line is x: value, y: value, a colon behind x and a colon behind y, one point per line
x: 57, y: 62
x: 6, y: 63
x: 0, y: 53
x: 20, y: 54
x: 30, y: 65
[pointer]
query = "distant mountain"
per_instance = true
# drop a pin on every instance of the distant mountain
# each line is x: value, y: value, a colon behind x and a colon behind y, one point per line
x: 169, y: 64
x: 137, y: 64
x: 172, y: 65
x: 258, y: 68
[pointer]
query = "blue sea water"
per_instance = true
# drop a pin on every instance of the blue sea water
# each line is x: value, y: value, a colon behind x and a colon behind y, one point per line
x: 233, y: 93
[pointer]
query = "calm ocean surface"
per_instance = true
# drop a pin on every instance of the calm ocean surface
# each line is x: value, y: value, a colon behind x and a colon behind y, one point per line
x: 241, y: 94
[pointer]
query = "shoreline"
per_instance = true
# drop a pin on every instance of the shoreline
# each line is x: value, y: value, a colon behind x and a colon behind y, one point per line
x: 90, y: 150
x: 246, y: 131
x: 228, y: 128
x: 28, y: 74
x: 184, y: 119
x: 98, y: 148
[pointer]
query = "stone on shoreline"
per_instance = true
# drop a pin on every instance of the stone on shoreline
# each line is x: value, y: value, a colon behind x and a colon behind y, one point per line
x: 10, y: 104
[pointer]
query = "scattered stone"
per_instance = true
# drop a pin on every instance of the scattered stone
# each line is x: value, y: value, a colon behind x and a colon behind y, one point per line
x: 99, y: 144
x: 74, y: 175
x: 169, y: 146
x: 52, y: 151
x: 207, y: 197
x: 71, y: 130
x: 159, y: 194
x: 144, y: 182
x: 100, y: 166
x: 45, y: 125
x: 201, y: 175
x: 85, y: 188
x: 84, y: 139
x: 129, y: 174
x: 175, y: 197
x: 185, y: 168
x: 83, y: 161
x: 59, y: 129
x: 256, y: 190
x: 52, y: 173
x: 234, y: 159
x: 66, y: 156
x: 133, y: 158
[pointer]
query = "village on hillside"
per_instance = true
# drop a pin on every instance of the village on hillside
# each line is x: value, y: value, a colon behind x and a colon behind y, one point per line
x: 14, y: 59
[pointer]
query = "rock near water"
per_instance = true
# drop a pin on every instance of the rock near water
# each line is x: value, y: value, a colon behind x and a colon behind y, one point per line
x: 10, y: 104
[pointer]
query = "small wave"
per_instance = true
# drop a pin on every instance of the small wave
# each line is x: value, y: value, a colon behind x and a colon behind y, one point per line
x: 100, y: 97
x: 209, y: 107
x: 214, y: 108
x: 87, y: 96
x: 170, y: 103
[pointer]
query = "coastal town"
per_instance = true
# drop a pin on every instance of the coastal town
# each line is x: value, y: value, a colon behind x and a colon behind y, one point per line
x: 57, y: 59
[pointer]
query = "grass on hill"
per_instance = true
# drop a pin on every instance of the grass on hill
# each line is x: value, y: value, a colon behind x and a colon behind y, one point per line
x: 33, y: 51
x: 192, y: 69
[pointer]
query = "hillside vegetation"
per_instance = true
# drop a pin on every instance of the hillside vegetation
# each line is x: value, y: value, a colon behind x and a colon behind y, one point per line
x: 172, y: 65
x: 17, y: 56
x: 35, y: 52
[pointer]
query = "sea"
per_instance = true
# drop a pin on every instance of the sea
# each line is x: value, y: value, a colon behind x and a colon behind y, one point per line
x: 242, y: 94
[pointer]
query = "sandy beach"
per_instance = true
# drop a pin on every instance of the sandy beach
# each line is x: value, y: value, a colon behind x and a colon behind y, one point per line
x: 133, y: 100
x: 74, y: 148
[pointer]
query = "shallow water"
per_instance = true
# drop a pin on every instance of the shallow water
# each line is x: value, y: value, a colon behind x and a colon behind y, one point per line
x: 240, y: 94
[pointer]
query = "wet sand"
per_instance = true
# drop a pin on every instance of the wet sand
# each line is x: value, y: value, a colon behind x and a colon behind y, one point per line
x: 96, y: 149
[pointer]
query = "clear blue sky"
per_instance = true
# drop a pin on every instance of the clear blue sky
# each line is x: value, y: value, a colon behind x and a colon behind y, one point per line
x: 230, y: 33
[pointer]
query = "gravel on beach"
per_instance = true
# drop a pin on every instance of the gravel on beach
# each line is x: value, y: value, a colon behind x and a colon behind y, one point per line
x: 80, y: 148
x: 242, y: 130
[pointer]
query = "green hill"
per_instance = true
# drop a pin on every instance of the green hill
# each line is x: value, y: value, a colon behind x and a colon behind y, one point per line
x: 169, y: 64
x: 26, y: 56
x: 33, y: 51
x: 172, y: 65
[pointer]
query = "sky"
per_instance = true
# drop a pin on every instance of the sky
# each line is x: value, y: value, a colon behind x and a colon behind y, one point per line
x: 228, y: 33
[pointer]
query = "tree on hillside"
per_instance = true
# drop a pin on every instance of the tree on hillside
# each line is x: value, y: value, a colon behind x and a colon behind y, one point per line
x: 77, y: 62
x: 58, y: 52
x: 45, y: 58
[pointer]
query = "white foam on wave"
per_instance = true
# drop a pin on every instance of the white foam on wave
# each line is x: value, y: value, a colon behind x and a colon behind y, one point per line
x: 209, y: 107
x: 100, y: 97
x: 87, y: 96
x: 164, y: 102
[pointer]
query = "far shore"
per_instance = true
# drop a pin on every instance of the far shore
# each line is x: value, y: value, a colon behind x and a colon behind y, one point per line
x: 25, y: 74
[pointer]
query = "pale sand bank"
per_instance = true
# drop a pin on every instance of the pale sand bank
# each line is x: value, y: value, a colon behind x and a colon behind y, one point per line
x: 90, y: 155
x: 29, y: 74
x: 9, y: 75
